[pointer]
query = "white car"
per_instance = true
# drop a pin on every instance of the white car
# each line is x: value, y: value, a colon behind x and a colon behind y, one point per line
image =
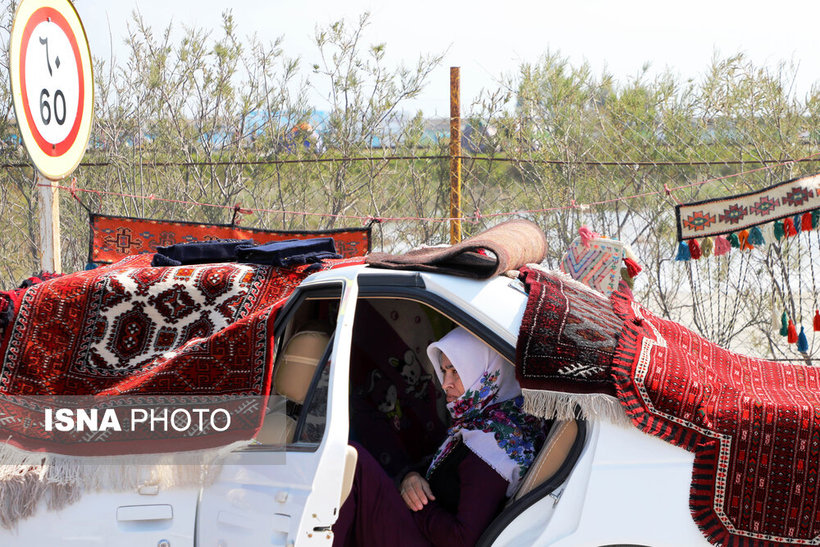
x: 594, y: 483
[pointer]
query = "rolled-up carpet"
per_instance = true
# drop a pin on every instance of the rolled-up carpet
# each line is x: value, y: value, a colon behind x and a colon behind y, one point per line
x: 513, y: 244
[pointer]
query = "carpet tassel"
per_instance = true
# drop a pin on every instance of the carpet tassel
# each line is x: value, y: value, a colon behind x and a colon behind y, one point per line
x: 722, y: 246
x: 683, y: 252
x: 779, y: 232
x: 743, y: 239
x: 587, y: 235
x: 756, y: 237
x: 694, y: 249
x: 802, y: 341
x: 632, y: 267
x: 806, y: 223
x: 792, y: 333
x: 788, y: 227
x: 707, y: 246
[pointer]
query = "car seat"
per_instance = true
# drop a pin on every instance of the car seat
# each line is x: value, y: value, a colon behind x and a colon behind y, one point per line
x: 293, y: 373
x: 552, y: 466
x: 550, y: 458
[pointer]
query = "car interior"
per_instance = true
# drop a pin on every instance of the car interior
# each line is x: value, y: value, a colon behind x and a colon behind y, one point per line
x: 397, y: 409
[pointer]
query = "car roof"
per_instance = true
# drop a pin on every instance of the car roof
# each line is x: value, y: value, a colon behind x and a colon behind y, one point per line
x: 497, y: 302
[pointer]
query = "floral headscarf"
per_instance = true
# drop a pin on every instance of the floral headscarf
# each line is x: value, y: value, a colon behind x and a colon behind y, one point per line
x: 488, y: 416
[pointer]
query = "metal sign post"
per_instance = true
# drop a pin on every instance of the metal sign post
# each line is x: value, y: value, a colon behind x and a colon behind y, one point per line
x: 50, y: 250
x: 52, y: 86
x: 455, y: 155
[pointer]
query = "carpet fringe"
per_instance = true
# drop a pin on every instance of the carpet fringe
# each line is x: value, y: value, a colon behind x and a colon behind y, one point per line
x: 28, y: 478
x: 562, y: 406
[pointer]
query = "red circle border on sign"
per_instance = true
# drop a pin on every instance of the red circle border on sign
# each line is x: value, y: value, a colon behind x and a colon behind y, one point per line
x: 54, y: 150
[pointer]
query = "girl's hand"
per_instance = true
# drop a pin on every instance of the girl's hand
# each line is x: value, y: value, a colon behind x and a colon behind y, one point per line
x: 415, y: 491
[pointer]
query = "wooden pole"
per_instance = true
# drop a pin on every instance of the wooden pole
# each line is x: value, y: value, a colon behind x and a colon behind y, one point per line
x: 455, y: 155
x: 50, y: 251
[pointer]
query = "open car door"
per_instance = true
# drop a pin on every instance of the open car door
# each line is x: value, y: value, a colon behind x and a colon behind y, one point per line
x: 287, y: 489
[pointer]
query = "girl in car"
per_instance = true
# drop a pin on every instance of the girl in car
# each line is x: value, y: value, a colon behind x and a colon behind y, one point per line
x: 488, y: 449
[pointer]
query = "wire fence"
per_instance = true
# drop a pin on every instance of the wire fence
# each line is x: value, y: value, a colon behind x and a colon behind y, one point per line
x: 731, y: 300
x: 189, y: 130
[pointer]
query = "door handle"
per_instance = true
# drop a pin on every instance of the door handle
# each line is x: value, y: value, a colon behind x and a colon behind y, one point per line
x: 130, y: 513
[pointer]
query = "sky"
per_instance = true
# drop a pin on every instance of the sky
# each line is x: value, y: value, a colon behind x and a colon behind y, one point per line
x: 489, y: 39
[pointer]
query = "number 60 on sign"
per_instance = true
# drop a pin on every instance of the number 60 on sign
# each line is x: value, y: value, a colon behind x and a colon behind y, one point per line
x: 52, y: 84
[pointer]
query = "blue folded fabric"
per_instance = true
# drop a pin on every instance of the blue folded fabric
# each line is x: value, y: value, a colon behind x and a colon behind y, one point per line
x: 291, y: 252
x: 160, y: 260
x: 200, y: 252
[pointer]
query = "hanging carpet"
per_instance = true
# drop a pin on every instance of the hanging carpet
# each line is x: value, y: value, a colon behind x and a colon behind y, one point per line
x: 114, y: 237
x: 567, y: 337
x: 754, y: 426
x: 129, y: 335
x: 719, y: 216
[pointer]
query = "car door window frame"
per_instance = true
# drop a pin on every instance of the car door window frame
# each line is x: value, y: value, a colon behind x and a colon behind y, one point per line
x: 332, y: 290
x: 372, y: 289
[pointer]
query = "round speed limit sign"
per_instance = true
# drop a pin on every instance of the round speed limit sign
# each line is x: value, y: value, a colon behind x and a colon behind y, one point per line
x: 52, y: 84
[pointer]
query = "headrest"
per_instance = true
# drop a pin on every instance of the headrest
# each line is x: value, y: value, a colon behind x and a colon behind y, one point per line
x: 295, y: 368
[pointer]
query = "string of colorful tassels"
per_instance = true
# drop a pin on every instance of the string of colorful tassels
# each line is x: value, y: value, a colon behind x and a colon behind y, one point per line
x: 722, y: 248
x: 698, y: 305
x: 706, y: 248
x: 773, y: 306
x: 788, y: 227
x: 816, y: 322
x: 779, y: 234
x: 802, y: 341
x: 801, y: 338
